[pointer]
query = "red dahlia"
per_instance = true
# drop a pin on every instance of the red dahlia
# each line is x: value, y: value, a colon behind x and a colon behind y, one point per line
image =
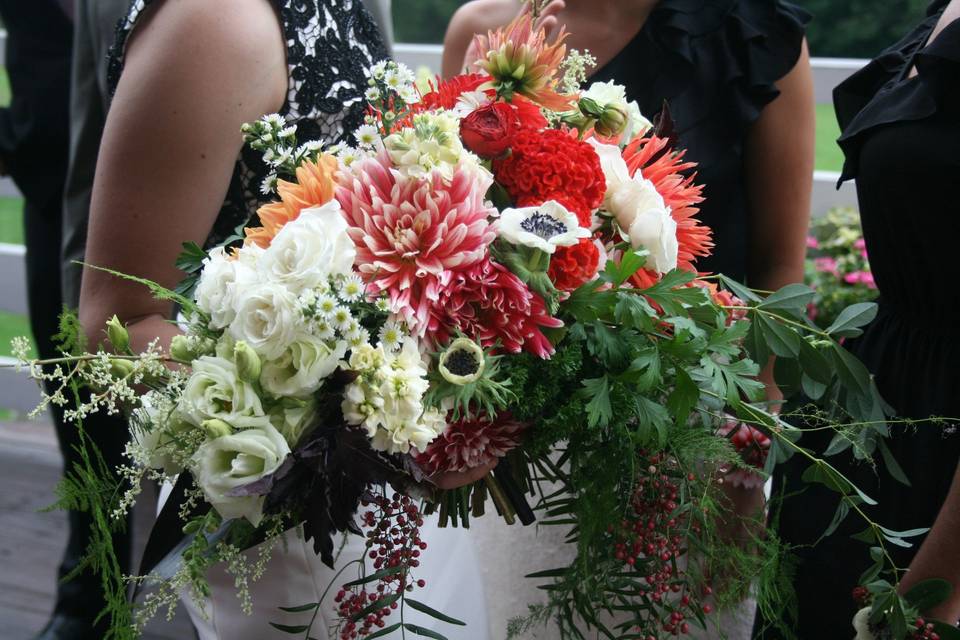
x: 468, y: 444
x: 544, y: 164
x: 493, y: 306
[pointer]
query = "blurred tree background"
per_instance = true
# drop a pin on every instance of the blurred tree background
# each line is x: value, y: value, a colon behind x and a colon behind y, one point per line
x: 841, y: 28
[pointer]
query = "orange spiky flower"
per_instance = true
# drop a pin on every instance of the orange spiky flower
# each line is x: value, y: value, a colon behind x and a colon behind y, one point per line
x: 314, y: 186
x: 521, y: 61
x: 652, y: 156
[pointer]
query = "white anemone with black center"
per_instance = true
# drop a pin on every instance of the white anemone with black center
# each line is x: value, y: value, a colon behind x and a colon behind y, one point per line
x: 545, y: 227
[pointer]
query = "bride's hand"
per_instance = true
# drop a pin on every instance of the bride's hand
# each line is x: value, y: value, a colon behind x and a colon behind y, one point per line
x: 455, y: 479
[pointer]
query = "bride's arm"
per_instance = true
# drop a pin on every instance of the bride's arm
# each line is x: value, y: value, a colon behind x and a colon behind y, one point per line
x: 194, y: 73
x: 939, y: 555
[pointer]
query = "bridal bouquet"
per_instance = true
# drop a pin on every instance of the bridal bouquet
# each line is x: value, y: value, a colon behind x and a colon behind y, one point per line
x: 499, y: 275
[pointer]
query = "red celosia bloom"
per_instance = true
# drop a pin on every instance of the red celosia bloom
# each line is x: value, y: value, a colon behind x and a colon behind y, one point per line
x: 571, y: 267
x: 491, y: 305
x: 468, y: 444
x: 665, y: 171
x: 551, y: 163
x: 413, y: 233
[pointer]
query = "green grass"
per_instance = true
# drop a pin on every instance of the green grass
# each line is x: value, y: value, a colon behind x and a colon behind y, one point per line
x: 12, y: 326
x: 11, y: 220
x: 828, y: 154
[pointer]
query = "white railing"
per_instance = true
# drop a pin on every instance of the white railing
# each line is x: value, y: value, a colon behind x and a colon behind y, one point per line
x: 18, y: 393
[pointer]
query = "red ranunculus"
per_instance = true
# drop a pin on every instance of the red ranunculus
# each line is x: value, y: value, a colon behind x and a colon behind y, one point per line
x: 489, y: 130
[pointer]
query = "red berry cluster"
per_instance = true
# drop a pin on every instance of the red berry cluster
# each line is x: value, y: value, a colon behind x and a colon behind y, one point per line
x: 651, y: 540
x: 752, y: 444
x: 861, y: 596
x: 924, y: 631
x: 394, y: 544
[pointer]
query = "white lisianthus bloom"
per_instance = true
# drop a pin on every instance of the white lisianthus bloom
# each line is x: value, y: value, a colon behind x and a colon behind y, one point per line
x: 215, y: 391
x: 310, y: 249
x: 544, y: 227
x: 220, y: 280
x: 861, y: 624
x: 235, y: 460
x: 639, y: 209
x: 613, y: 94
x: 291, y: 419
x: 302, y: 368
x: 268, y: 319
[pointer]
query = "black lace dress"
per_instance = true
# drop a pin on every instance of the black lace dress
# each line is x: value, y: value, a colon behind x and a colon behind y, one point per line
x: 901, y: 136
x: 330, y: 45
x: 716, y: 63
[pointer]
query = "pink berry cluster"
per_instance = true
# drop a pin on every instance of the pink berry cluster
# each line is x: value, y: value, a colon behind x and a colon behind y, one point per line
x: 393, y: 545
x: 651, y: 540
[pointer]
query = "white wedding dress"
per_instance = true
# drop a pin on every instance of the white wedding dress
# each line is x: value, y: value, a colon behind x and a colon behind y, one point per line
x: 296, y: 576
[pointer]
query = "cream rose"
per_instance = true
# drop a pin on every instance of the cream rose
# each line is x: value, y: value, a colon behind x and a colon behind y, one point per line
x: 268, y: 319
x: 311, y: 248
x: 235, y: 460
x: 302, y: 368
x: 214, y: 391
x: 639, y: 210
x: 220, y: 280
x: 861, y: 624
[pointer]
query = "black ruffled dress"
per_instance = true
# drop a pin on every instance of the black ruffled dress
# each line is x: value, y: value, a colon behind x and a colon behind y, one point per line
x: 901, y: 137
x: 716, y: 63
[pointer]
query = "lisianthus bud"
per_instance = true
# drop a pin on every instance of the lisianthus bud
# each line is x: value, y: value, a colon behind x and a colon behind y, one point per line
x: 590, y: 107
x: 118, y: 335
x: 612, y: 121
x: 462, y: 362
x: 216, y: 428
x: 181, y: 351
x: 120, y: 368
x: 247, y: 361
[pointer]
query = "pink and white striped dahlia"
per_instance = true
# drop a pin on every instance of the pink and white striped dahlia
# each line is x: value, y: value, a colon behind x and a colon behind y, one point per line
x: 488, y: 303
x: 413, y: 234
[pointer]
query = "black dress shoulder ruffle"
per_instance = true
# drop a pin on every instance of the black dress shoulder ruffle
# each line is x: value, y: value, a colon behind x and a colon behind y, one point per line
x: 716, y: 63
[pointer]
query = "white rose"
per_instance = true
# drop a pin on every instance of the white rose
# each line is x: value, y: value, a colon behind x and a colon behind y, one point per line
x: 637, y: 124
x: 302, y: 368
x: 268, y: 319
x: 642, y: 213
x: 219, y: 283
x: 292, y: 419
x: 611, y: 161
x: 214, y: 391
x: 235, y: 460
x: 309, y: 249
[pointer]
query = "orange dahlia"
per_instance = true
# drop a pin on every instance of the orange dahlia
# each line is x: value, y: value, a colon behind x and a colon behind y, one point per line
x: 521, y: 61
x: 314, y: 187
x: 664, y: 169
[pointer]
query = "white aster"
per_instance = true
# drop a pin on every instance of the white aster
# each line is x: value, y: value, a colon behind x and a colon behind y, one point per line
x: 341, y: 318
x: 391, y: 335
x: 372, y: 94
x: 352, y: 288
x: 367, y: 135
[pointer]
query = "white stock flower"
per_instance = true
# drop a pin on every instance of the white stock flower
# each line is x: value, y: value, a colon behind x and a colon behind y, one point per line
x: 639, y: 209
x: 235, y: 460
x: 302, y: 368
x: 309, y: 249
x: 399, y: 436
x: 268, y: 318
x: 545, y: 227
x: 222, y: 277
x: 214, y: 391
x: 432, y: 144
